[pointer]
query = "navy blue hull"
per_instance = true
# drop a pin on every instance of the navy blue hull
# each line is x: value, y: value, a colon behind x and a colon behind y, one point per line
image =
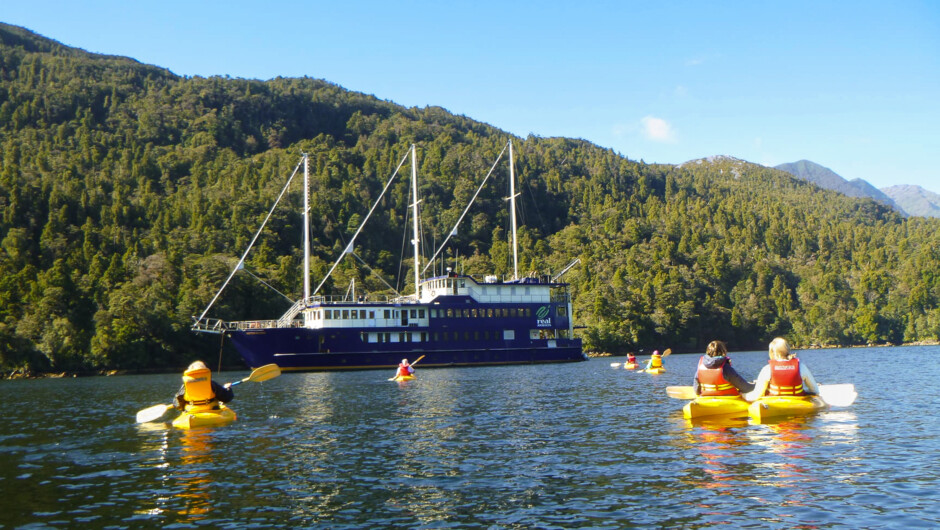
x: 301, y: 349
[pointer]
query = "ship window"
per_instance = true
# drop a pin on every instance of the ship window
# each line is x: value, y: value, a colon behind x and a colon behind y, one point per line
x: 414, y: 313
x: 512, y: 312
x: 466, y: 335
x: 424, y: 336
x: 466, y: 313
x: 528, y: 312
x: 463, y: 283
x: 446, y: 336
x: 388, y: 337
x: 562, y: 310
x: 473, y: 312
x: 476, y: 335
x: 329, y: 315
x: 345, y: 314
x: 371, y: 314
x: 421, y: 313
x: 509, y: 334
x: 450, y: 312
x: 401, y: 337
x: 385, y: 313
x: 489, y: 312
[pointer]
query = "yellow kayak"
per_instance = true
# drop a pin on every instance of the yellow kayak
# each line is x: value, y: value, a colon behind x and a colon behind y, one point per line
x: 660, y: 370
x: 403, y: 378
x: 221, y: 416
x: 630, y: 366
x: 777, y: 406
x: 714, y: 405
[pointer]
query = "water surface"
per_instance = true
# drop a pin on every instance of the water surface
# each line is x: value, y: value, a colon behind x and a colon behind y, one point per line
x: 554, y: 446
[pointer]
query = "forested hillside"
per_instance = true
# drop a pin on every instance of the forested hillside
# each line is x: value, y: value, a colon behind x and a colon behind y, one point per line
x: 127, y: 194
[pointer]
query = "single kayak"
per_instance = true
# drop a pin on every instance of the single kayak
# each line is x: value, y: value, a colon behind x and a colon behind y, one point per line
x: 660, y: 370
x: 776, y: 406
x: 205, y: 418
x: 630, y: 366
x: 715, y: 405
x: 403, y: 378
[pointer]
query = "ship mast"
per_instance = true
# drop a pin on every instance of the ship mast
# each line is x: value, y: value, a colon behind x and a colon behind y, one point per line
x: 414, y: 215
x: 512, y: 209
x: 306, y: 227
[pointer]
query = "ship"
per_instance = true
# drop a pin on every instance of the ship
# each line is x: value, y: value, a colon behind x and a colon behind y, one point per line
x: 452, y: 319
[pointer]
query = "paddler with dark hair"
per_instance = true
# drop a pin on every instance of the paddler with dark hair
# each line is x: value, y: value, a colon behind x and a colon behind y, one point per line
x: 199, y: 392
x: 715, y: 376
x: 783, y: 375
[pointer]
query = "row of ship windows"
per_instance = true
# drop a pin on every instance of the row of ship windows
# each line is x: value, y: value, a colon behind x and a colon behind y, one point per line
x: 499, y: 312
x: 464, y: 336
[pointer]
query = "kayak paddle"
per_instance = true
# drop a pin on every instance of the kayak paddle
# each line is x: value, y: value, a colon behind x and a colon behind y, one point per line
x: 260, y: 374
x: 264, y: 373
x: 153, y: 413
x: 412, y: 364
x: 681, y: 392
x: 838, y: 395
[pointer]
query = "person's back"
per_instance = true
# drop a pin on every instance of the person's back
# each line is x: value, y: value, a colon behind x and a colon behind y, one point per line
x: 715, y: 376
x: 199, y: 391
x: 784, y: 375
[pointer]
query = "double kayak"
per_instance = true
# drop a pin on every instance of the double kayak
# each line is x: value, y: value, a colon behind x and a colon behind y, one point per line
x: 715, y: 405
x: 205, y: 418
x: 778, y: 406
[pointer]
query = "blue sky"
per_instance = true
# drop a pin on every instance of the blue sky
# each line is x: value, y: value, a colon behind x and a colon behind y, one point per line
x: 853, y: 86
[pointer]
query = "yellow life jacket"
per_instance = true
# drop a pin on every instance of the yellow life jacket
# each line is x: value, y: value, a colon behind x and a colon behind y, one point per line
x: 197, y: 389
x: 656, y: 361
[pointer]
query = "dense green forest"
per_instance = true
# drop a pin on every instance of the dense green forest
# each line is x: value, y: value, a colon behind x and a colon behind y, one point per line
x: 128, y: 193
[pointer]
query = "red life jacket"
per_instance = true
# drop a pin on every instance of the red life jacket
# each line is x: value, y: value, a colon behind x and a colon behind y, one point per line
x: 403, y: 370
x: 631, y: 359
x: 785, y: 378
x: 712, y: 381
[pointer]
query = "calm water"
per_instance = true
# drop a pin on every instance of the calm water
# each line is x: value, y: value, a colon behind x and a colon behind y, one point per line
x: 555, y: 446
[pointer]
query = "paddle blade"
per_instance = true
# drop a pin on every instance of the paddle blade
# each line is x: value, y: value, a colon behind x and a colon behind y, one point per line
x: 153, y: 413
x: 838, y: 395
x: 680, y: 392
x: 264, y: 373
x: 667, y: 352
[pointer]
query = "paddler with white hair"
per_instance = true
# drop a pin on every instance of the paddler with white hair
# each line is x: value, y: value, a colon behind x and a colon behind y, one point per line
x: 784, y: 375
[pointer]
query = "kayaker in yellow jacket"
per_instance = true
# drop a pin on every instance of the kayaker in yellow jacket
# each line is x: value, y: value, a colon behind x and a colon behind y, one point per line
x: 784, y: 375
x: 656, y: 361
x: 715, y: 376
x: 199, y: 392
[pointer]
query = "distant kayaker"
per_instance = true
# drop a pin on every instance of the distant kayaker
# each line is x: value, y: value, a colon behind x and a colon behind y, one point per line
x: 631, y: 359
x: 404, y: 369
x: 715, y: 376
x: 656, y: 361
x: 200, y: 391
x: 784, y: 375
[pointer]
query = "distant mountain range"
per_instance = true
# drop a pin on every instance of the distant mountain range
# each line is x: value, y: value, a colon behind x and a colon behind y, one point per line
x: 907, y: 199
